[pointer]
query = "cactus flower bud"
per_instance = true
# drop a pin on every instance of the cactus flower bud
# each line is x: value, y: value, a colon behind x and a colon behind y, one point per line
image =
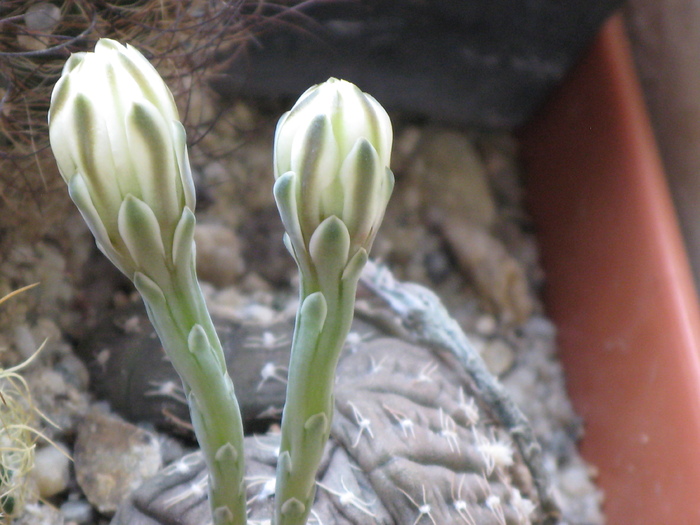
x: 331, y: 159
x: 120, y: 147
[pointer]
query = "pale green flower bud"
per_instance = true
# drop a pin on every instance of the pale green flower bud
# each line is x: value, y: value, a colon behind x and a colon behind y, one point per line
x: 119, y: 145
x: 331, y: 158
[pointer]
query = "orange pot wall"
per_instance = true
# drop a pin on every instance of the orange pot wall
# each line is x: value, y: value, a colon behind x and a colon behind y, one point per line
x: 619, y: 287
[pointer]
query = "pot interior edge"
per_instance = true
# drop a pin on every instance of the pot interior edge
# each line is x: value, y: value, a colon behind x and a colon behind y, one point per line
x: 618, y: 286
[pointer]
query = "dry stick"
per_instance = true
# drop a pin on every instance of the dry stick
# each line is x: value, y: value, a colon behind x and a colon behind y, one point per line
x: 428, y: 322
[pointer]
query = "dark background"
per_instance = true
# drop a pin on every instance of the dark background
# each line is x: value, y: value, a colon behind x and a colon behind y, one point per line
x: 485, y: 63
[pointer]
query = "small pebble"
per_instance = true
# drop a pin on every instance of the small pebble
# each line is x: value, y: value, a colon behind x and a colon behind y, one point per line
x: 522, y: 386
x: 495, y: 274
x: 112, y: 458
x: 46, y: 328
x: 260, y: 313
x: 171, y: 449
x: 51, y: 470
x: 449, y: 172
x: 539, y: 326
x: 498, y: 356
x: 575, y: 480
x: 40, y: 514
x: 42, y: 17
x: 73, y: 371
x: 60, y: 401
x: 485, y: 325
x: 219, y: 258
x: 78, y: 512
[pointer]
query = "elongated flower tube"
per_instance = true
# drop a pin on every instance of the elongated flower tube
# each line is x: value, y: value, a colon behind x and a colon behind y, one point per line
x: 120, y: 147
x: 332, y: 186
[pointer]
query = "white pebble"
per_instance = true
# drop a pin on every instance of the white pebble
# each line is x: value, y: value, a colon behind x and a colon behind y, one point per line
x: 485, y: 325
x: 540, y: 326
x: 51, y: 470
x: 498, y: 356
x: 79, y: 511
x: 575, y: 480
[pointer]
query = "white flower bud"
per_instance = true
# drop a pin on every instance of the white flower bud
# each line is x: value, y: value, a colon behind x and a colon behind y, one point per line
x: 331, y: 158
x: 120, y: 147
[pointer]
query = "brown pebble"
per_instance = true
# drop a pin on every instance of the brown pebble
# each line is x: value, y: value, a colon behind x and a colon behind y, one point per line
x: 112, y: 458
x: 496, y: 274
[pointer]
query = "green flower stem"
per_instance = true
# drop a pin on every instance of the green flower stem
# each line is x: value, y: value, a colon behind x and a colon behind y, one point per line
x: 320, y: 332
x: 322, y: 324
x: 177, y: 309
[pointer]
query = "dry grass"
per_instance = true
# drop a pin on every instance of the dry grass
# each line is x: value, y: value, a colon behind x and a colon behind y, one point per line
x: 18, y: 434
x: 17, y: 440
x: 187, y: 40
